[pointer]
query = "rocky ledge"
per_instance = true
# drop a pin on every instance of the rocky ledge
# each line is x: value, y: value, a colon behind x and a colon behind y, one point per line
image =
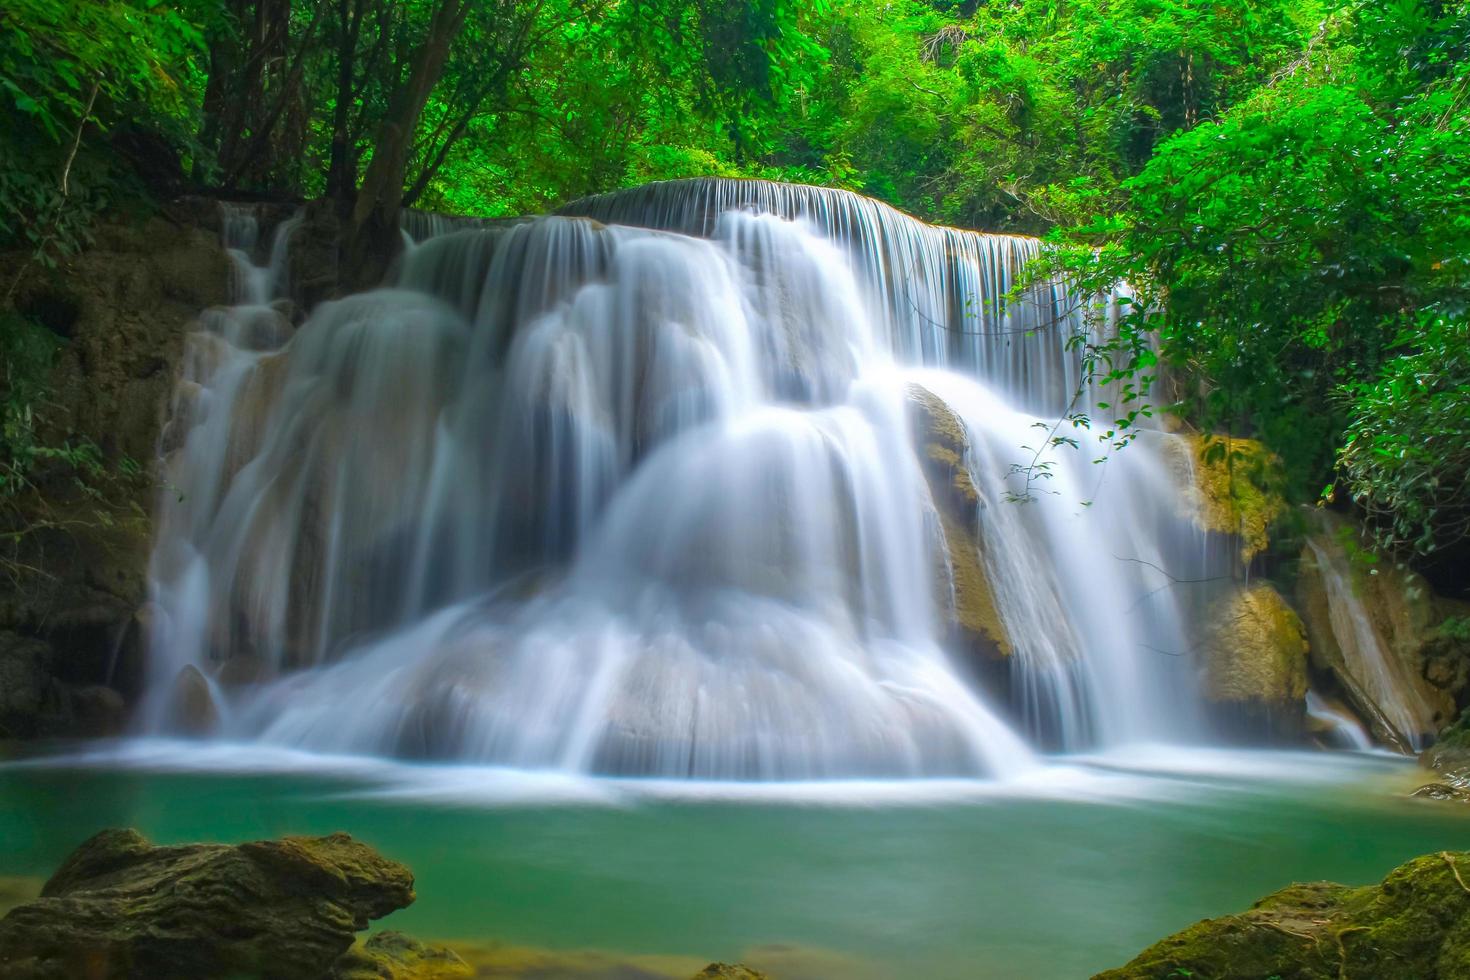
x: 120, y: 908
x: 1414, y: 925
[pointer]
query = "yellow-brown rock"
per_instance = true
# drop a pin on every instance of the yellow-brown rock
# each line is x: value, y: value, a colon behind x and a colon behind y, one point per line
x: 966, y: 599
x: 1255, y: 650
x: 1231, y: 486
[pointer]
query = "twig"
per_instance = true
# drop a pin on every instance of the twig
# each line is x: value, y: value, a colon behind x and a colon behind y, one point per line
x: 1454, y: 870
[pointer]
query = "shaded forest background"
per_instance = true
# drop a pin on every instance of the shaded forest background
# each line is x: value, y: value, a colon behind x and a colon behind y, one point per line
x: 1283, y: 182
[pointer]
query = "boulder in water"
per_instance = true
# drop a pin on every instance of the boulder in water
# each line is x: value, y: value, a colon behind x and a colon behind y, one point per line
x: 1415, y: 925
x: 120, y: 907
x: 1255, y: 662
x: 725, y: 971
x: 192, y: 708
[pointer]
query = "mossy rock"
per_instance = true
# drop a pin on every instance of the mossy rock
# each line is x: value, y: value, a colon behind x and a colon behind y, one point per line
x: 725, y: 971
x: 1414, y: 925
x: 1232, y: 487
x: 1256, y: 649
x: 966, y: 600
x: 1255, y: 663
x: 391, y: 955
x: 120, y: 907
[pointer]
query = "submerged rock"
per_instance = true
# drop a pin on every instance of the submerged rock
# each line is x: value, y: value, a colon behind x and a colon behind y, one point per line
x: 1415, y: 925
x: 1442, y: 792
x: 1255, y: 661
x: 393, y: 956
x: 120, y: 907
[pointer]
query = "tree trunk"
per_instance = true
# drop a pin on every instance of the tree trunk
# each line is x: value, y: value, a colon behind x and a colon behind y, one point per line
x: 372, y: 234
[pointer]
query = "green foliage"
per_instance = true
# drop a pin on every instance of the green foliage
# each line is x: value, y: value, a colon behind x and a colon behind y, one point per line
x: 26, y: 353
x: 1406, y: 455
x: 1302, y: 262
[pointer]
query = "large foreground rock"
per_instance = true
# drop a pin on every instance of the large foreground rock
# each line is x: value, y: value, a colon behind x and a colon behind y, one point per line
x: 1415, y: 925
x: 119, y: 907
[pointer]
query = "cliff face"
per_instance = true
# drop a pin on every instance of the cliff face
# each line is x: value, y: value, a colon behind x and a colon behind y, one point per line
x: 77, y: 548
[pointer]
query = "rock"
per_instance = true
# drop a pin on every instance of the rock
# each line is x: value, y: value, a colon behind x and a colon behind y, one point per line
x: 1255, y: 661
x: 1443, y: 792
x: 192, y: 709
x: 119, y: 907
x: 393, y: 956
x: 967, y: 601
x: 97, y: 711
x: 1379, y: 631
x: 1232, y: 487
x: 1450, y: 754
x: 1415, y: 925
x: 120, y: 309
x: 724, y: 971
x: 29, y: 696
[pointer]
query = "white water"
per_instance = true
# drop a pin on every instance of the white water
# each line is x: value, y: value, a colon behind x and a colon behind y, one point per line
x: 1344, y: 729
x: 602, y: 498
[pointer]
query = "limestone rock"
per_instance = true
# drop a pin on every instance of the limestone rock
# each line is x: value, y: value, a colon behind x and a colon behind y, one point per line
x: 967, y: 600
x: 1255, y: 659
x: 393, y: 956
x: 1231, y: 487
x: 119, y: 907
x: 1415, y: 925
x: 120, y: 310
x: 192, y: 709
x: 1360, y: 607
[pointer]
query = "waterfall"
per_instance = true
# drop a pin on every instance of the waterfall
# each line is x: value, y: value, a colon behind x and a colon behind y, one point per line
x: 1338, y: 723
x: 637, y: 489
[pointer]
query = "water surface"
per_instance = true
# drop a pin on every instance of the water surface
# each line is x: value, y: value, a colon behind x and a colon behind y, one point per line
x: 1070, y: 869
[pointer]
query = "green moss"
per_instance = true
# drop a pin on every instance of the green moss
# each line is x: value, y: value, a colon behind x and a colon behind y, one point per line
x: 724, y: 971
x: 1415, y: 925
x: 391, y: 955
x: 1234, y: 488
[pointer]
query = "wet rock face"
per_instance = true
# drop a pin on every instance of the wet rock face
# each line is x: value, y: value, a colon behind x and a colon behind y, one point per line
x: 1358, y: 607
x: 119, y: 907
x: 119, y: 311
x: 966, y: 600
x: 1415, y: 925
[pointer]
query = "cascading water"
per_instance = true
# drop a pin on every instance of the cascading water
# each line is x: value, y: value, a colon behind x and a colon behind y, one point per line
x: 642, y: 495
